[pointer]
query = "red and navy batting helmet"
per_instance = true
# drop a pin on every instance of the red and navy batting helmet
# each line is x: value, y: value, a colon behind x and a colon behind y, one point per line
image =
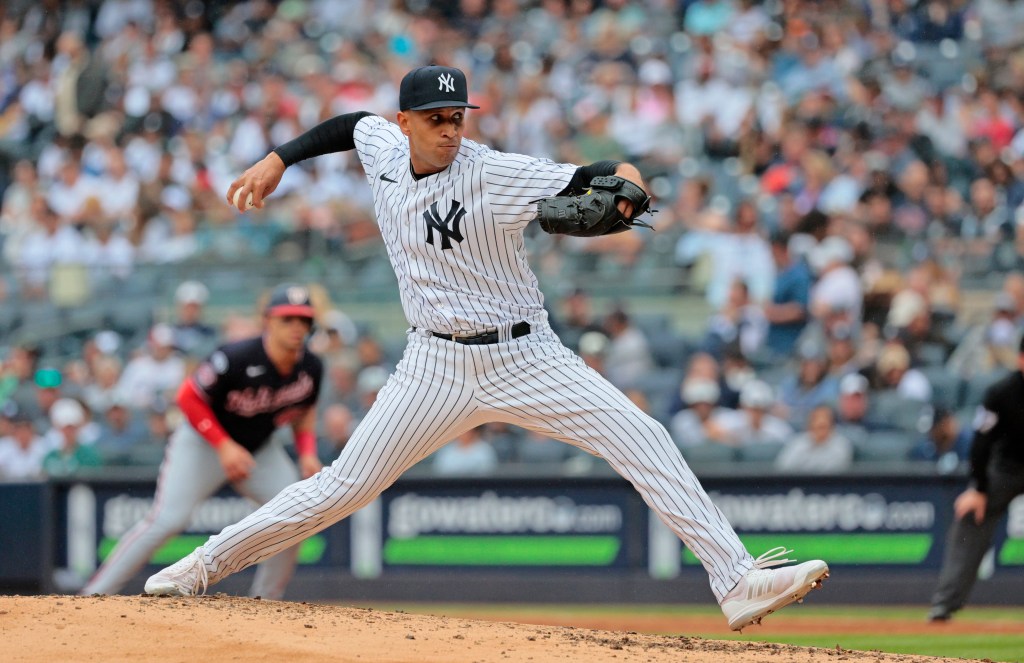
x: 290, y: 299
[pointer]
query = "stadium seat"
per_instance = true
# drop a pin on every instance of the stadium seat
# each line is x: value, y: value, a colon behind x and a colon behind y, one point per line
x: 932, y: 354
x: 974, y: 390
x: 709, y: 453
x: 132, y: 319
x: 668, y: 348
x: 903, y: 414
x: 855, y: 433
x: 760, y: 452
x: 947, y: 386
x: 883, y: 446
x: 660, y: 386
x: 966, y: 416
x: 145, y: 455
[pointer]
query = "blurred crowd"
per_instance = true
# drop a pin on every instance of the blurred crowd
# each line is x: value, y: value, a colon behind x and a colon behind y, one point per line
x: 843, y: 181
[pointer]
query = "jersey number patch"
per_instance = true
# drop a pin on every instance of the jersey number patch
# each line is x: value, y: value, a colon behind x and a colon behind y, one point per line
x: 448, y: 227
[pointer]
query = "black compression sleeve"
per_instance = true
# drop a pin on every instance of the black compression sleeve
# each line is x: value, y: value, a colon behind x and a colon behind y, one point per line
x: 580, y: 181
x: 333, y: 135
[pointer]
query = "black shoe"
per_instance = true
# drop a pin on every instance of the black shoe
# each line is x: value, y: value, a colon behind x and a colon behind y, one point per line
x: 939, y: 614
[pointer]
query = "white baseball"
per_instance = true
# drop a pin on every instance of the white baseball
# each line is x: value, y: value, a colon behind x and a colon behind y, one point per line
x: 248, y: 199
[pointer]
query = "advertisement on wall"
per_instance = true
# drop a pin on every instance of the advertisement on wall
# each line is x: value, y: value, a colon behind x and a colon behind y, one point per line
x: 1011, y: 552
x: 509, y: 527
x: 532, y: 525
x: 881, y: 523
x: 91, y: 519
x: 885, y: 526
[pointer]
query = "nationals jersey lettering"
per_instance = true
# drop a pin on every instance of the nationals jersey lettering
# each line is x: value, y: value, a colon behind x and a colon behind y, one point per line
x: 251, y: 401
x: 455, y: 238
x: 249, y: 397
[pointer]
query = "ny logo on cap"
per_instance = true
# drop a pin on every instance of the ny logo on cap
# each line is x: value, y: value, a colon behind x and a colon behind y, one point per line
x: 446, y: 83
x: 297, y: 295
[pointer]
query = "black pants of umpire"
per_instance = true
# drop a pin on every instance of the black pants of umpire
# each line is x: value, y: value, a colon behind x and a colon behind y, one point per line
x: 968, y: 541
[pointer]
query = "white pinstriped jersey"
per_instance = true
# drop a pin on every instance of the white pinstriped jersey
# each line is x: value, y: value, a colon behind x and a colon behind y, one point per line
x: 455, y: 238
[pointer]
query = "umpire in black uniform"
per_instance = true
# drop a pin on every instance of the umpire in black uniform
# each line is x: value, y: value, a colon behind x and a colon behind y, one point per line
x: 997, y: 476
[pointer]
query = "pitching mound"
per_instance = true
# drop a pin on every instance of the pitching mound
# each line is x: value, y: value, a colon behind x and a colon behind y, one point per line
x: 222, y: 628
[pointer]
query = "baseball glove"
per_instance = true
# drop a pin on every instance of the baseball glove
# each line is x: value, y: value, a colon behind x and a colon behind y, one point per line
x: 595, y: 212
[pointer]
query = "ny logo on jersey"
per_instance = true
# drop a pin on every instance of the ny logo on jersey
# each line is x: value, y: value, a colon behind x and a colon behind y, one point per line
x: 446, y: 83
x: 447, y: 227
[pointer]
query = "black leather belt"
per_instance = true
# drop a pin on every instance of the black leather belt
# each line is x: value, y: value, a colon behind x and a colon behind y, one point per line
x: 486, y: 338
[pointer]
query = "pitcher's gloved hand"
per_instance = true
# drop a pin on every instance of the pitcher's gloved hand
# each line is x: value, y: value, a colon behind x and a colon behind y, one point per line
x: 595, y: 212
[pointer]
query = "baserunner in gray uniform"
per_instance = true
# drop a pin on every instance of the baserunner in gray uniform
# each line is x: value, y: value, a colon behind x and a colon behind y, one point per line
x: 234, y: 404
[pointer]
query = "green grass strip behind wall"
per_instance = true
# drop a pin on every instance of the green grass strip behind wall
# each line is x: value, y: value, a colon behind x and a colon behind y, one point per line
x: 841, y: 548
x: 310, y: 551
x: 503, y: 550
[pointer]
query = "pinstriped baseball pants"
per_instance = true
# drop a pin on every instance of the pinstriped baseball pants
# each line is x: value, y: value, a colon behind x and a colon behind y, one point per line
x: 441, y: 389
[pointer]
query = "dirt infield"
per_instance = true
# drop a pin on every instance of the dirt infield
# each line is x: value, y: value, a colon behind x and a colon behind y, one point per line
x: 221, y: 628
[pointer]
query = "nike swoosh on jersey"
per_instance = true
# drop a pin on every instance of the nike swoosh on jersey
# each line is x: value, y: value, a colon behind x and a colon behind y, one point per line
x: 388, y: 179
x: 255, y: 371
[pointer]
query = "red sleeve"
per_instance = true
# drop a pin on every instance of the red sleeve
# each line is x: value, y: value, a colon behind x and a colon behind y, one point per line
x: 305, y: 443
x: 198, y: 412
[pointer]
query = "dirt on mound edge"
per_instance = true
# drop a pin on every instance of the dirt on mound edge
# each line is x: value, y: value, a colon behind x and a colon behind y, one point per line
x: 222, y: 628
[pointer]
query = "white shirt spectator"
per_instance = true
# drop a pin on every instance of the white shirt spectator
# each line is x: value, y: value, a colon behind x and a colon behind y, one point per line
x: 113, y: 15
x: 805, y: 456
x: 914, y: 385
x: 143, y: 157
x: 839, y: 289
x: 16, y: 208
x: 67, y: 412
x: 466, y: 457
x: 146, y: 378
x: 943, y: 125
x: 181, y: 101
x: 67, y: 197
x: 36, y: 99
x: 821, y: 450
x: 628, y: 356
x: 838, y: 286
x: 18, y: 462
x: 745, y: 256
x: 752, y: 424
x: 118, y: 190
x: 109, y: 255
x: 725, y: 105
x: 745, y: 24
x: 893, y: 365
x: 528, y: 128
x: 741, y: 430
x: 249, y: 144
x: 40, y: 250
x: 1002, y: 21
x: 151, y: 375
x: 152, y: 73
x: 688, y: 427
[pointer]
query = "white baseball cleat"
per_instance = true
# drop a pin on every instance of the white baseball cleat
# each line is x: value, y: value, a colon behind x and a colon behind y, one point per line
x: 763, y: 591
x: 186, y: 577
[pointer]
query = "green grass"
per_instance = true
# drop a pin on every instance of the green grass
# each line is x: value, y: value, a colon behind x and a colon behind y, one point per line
x: 1007, y: 648
x: 982, y: 646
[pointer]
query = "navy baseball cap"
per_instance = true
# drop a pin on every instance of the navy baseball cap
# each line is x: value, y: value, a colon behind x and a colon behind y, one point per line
x: 290, y: 299
x: 433, y: 86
